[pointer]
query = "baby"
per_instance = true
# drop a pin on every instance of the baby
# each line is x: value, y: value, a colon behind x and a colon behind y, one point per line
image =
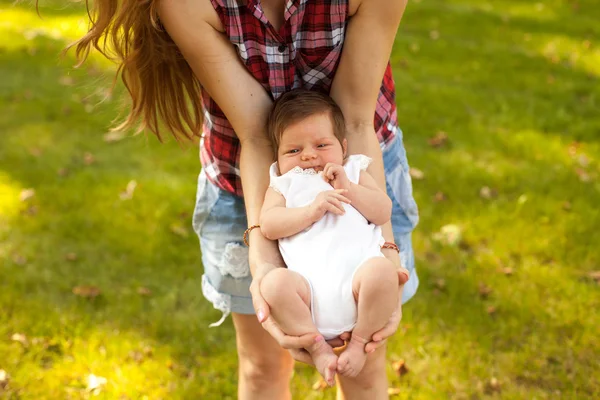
x: 325, y: 211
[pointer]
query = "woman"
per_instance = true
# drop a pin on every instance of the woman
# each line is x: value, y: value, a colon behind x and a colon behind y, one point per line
x: 230, y: 59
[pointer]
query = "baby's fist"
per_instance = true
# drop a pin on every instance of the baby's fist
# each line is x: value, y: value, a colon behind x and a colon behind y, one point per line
x: 335, y: 175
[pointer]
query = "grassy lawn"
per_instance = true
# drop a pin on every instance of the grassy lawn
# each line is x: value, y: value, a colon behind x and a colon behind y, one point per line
x: 100, y: 270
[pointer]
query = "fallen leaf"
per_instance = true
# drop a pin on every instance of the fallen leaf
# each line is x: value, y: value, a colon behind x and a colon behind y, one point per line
x: 583, y: 175
x: 144, y: 291
x: 88, y: 159
x: 113, y: 136
x: 595, y: 275
x: 136, y: 356
x: 35, y: 151
x: 487, y: 193
x: 416, y: 173
x: 71, y: 256
x: 128, y: 193
x: 440, y: 283
x: 26, y: 194
x: 439, y: 140
x: 484, y: 290
x: 19, y: 259
x: 566, y: 206
x: 573, y: 148
x: 86, y: 291
x: 491, y: 310
x: 178, y: 229
x: 66, y: 81
x: 439, y: 197
x: 507, y: 271
x: 21, y: 338
x: 4, y: 378
x: 148, y: 351
x: 449, y: 235
x: 493, y: 385
x: 95, y: 383
x: 394, y: 391
x: 400, y: 367
x: 63, y: 172
x: 319, y: 385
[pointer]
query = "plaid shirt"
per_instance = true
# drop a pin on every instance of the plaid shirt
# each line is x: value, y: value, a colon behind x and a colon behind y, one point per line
x: 304, y: 53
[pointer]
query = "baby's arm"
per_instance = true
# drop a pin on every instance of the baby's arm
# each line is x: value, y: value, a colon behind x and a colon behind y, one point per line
x: 277, y: 221
x: 372, y: 202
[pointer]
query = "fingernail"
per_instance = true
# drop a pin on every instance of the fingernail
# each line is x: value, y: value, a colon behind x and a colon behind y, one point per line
x: 318, y: 339
x: 261, y: 315
x: 371, y: 351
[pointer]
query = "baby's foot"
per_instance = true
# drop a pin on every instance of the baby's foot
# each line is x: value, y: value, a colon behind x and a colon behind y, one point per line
x: 325, y: 361
x: 353, y: 358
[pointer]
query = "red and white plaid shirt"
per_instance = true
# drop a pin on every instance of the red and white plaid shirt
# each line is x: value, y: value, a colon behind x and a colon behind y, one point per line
x: 304, y: 53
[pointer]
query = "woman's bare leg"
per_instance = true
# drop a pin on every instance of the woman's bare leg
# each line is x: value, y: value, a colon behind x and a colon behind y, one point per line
x: 288, y: 295
x: 370, y: 384
x: 375, y: 287
x: 265, y: 369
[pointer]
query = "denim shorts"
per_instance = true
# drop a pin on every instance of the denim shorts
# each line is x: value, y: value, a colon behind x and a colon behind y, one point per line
x: 220, y: 220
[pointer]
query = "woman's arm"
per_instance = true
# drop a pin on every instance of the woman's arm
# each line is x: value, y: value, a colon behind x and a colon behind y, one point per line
x: 196, y: 29
x: 372, y: 202
x: 367, y: 47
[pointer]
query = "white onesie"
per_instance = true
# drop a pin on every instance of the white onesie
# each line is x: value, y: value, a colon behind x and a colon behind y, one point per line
x: 328, y: 253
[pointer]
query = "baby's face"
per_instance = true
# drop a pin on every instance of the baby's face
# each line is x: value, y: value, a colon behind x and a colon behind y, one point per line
x: 310, y: 143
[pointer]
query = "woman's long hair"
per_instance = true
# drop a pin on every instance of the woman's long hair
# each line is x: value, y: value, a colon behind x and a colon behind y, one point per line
x: 163, y: 89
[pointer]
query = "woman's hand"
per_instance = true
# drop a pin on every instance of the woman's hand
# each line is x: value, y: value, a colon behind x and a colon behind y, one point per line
x: 264, y: 256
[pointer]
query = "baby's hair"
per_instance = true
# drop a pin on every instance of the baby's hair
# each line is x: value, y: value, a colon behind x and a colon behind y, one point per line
x: 299, y: 104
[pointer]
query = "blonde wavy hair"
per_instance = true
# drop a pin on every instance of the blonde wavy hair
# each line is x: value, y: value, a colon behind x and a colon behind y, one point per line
x: 163, y: 89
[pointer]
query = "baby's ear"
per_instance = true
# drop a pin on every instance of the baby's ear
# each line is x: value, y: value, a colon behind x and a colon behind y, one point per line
x: 344, y: 147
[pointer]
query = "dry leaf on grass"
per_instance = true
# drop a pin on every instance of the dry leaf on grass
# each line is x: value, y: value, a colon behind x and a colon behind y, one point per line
x: 319, y: 385
x: 86, y: 291
x: 71, y: 257
x: 508, y: 271
x: 400, y: 367
x: 449, y: 235
x: 113, y: 136
x: 128, y: 193
x: 439, y: 140
x: 484, y: 290
x: 416, y: 174
x: 491, y: 310
x: 21, y: 338
x: 595, y: 275
x: 26, y: 194
x: 487, y: 193
x: 95, y: 384
x: 178, y: 229
x: 394, y: 391
x: 439, y: 197
x: 144, y: 291
x: 4, y: 378
x: 19, y: 259
x: 88, y: 158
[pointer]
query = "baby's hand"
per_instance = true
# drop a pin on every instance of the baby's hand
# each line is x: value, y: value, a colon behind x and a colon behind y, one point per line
x: 330, y: 200
x: 335, y: 175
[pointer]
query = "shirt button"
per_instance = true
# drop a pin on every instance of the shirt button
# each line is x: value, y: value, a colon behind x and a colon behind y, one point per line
x: 282, y: 48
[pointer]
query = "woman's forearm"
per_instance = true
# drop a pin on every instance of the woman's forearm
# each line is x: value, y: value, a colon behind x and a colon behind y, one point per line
x: 255, y: 160
x: 362, y: 140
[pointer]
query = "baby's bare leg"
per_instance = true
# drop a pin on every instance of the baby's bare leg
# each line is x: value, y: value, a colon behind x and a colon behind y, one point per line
x: 288, y: 296
x: 375, y: 287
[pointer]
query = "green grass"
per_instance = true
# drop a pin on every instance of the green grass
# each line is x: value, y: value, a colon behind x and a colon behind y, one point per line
x: 514, y: 84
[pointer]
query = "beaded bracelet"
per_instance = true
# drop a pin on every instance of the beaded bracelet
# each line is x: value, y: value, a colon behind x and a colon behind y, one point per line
x: 390, y: 245
x: 247, y: 232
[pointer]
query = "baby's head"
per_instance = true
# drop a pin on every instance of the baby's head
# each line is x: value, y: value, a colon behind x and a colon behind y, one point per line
x: 308, y: 131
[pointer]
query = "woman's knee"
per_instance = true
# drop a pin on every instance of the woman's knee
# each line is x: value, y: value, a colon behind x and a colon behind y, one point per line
x: 265, y: 368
